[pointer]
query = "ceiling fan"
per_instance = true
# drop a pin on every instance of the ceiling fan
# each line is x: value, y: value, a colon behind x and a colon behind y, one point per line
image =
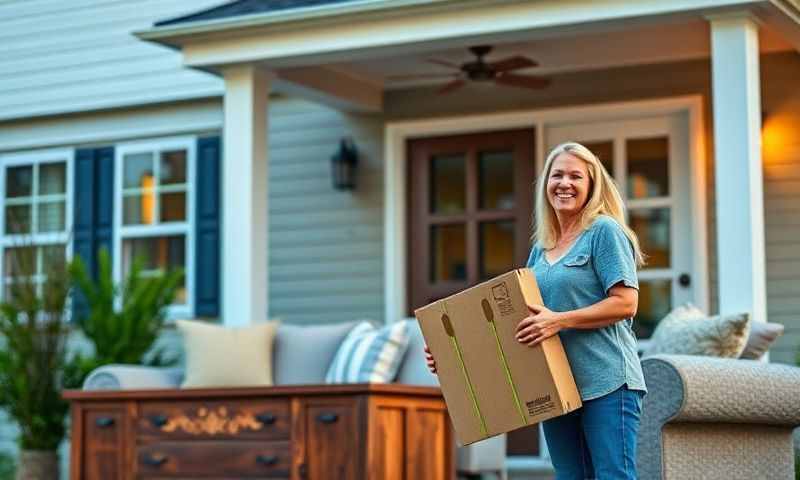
x: 479, y: 70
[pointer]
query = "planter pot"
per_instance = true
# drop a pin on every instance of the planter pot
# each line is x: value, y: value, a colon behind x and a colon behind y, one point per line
x: 37, y: 465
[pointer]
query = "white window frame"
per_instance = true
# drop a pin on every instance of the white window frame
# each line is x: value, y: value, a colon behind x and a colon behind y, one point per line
x: 36, y: 157
x: 186, y: 227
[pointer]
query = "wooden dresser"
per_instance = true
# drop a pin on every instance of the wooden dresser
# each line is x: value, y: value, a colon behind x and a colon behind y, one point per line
x: 323, y: 432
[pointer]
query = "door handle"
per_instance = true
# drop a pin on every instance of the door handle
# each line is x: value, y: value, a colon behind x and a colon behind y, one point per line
x: 684, y: 280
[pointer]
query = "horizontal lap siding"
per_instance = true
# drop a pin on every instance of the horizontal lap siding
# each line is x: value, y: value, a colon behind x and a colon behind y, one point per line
x: 81, y: 55
x: 325, y: 246
x: 781, y: 99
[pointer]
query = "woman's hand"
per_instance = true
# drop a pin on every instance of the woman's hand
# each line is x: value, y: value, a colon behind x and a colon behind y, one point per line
x: 429, y: 359
x: 542, y: 324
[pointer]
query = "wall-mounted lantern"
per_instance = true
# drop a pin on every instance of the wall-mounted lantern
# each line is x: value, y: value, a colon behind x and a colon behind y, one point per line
x: 343, y: 165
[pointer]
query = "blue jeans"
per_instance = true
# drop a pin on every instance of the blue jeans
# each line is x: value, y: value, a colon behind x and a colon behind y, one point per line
x: 598, y: 440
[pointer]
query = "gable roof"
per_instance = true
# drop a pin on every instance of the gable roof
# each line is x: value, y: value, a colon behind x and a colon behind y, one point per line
x: 241, y: 8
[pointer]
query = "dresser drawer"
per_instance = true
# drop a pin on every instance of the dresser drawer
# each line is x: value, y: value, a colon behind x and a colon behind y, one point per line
x: 211, y: 420
x: 228, y: 459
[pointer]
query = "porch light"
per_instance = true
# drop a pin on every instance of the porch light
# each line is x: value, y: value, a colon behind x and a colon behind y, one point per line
x: 343, y: 165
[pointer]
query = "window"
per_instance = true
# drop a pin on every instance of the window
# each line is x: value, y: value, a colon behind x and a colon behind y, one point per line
x: 154, y: 218
x: 34, y: 219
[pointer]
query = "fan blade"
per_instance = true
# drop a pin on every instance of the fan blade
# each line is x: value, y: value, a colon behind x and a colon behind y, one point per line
x: 454, y: 85
x: 422, y: 75
x: 443, y: 63
x: 523, y: 81
x: 512, y: 63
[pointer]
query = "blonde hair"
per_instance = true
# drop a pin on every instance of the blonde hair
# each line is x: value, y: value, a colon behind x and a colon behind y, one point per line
x: 604, y: 199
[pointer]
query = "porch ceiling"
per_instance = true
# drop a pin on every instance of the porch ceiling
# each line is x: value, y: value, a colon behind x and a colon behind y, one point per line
x: 342, y: 52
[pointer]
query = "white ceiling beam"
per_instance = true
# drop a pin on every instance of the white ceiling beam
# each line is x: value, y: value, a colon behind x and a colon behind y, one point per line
x: 331, y: 86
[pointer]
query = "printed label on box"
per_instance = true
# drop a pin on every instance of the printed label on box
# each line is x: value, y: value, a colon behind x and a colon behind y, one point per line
x: 502, y: 299
x: 540, y: 405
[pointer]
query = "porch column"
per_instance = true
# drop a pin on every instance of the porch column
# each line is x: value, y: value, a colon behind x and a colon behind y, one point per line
x: 737, y: 165
x: 244, y: 195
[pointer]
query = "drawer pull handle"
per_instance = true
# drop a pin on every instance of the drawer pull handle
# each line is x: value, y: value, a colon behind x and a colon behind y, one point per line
x: 104, y: 422
x: 328, y: 417
x: 266, y: 418
x: 267, y: 460
x: 158, y: 420
x: 154, y: 460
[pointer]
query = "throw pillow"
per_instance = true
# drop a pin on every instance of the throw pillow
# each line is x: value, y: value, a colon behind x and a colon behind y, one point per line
x: 218, y: 356
x: 762, y: 336
x: 370, y: 355
x: 688, y: 331
x: 303, y: 354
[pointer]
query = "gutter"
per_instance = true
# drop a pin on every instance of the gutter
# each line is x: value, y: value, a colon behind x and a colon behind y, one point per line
x: 271, y: 18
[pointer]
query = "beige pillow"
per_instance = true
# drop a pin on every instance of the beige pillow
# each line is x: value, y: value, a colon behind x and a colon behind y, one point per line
x: 687, y: 330
x: 218, y: 356
x: 762, y: 336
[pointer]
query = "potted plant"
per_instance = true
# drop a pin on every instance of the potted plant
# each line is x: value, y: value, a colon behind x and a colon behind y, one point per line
x: 122, y: 321
x: 33, y: 360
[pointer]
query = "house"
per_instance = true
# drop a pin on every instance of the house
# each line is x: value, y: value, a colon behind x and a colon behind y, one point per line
x: 201, y: 134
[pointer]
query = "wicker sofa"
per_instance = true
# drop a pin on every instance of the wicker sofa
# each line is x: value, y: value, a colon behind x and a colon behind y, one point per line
x: 718, y: 418
x: 704, y: 417
x: 308, y: 358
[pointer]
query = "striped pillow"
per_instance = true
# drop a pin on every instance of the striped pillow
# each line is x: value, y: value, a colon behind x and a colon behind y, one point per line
x: 370, y: 355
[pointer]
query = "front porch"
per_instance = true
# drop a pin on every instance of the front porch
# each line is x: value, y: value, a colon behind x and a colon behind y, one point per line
x: 718, y: 71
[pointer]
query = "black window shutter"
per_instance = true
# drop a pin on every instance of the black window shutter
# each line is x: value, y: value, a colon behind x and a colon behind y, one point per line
x: 92, y: 222
x: 207, y: 234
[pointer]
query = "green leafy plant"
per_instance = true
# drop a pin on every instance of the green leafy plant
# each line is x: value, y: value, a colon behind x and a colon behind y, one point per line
x: 7, y: 466
x: 33, y: 360
x: 122, y: 321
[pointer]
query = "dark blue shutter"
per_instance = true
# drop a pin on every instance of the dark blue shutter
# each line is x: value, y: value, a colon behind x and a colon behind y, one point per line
x: 207, y: 234
x: 93, y: 210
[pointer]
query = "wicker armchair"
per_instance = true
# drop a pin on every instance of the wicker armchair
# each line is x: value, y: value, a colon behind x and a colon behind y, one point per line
x: 717, y: 418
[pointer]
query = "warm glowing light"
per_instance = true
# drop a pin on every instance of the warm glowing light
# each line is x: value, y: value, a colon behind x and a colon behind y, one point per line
x: 148, y: 199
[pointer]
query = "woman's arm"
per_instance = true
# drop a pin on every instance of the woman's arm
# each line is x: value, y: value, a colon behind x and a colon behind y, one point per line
x: 621, y: 303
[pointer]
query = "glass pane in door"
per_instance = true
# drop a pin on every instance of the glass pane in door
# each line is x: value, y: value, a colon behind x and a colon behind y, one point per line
x: 496, y: 180
x: 655, y: 302
x: 448, y: 184
x: 604, y: 151
x: 652, y: 226
x: 648, y: 167
x: 448, y: 253
x: 496, y: 248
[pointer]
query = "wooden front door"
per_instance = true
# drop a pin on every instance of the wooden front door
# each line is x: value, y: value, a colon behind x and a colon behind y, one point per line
x: 471, y: 210
x: 471, y: 199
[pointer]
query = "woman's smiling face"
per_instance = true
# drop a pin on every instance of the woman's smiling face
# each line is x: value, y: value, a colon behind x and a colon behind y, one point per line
x: 568, y: 184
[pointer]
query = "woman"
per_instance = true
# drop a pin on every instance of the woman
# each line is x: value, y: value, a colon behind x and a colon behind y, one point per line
x: 585, y: 260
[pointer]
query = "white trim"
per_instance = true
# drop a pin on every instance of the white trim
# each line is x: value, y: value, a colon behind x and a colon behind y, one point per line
x: 38, y: 157
x: 186, y: 228
x: 395, y: 197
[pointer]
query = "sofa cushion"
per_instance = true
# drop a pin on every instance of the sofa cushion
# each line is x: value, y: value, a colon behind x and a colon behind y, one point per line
x: 218, y: 356
x: 133, y: 377
x: 414, y: 369
x: 303, y: 354
x: 687, y: 330
x: 762, y: 336
x: 370, y: 355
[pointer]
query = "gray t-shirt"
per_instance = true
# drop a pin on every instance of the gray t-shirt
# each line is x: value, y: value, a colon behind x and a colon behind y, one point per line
x: 602, y: 359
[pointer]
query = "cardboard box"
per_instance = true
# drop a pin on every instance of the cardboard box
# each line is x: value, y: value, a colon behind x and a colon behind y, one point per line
x: 491, y: 383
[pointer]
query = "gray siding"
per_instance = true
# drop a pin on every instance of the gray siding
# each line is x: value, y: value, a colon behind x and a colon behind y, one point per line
x: 80, y: 55
x: 325, y: 246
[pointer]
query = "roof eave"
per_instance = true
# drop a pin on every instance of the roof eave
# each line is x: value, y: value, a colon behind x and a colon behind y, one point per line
x: 172, y: 35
